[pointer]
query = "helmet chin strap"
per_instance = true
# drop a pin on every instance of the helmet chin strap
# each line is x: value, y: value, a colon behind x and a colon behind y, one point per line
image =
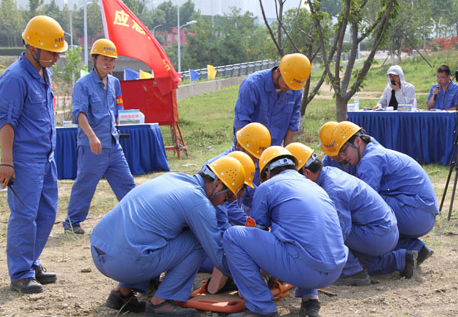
x: 97, y: 71
x: 37, y: 57
x: 213, y: 194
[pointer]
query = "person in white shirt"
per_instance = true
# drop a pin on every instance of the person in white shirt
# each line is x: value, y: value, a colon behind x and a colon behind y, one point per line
x: 397, y: 90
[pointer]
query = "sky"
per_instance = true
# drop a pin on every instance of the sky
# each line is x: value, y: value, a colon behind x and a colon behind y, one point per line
x: 206, y: 7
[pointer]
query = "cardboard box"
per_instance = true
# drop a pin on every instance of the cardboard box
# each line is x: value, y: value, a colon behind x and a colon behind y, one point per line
x: 132, y: 116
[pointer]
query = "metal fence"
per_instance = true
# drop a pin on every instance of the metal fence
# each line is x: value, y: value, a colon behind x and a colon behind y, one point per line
x: 234, y: 70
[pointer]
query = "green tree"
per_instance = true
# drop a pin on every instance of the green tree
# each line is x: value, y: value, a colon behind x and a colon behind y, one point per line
x: 228, y: 39
x: 11, y: 24
x: 34, y: 8
x: 70, y: 72
x: 94, y: 25
x: 345, y: 82
x: 332, y: 7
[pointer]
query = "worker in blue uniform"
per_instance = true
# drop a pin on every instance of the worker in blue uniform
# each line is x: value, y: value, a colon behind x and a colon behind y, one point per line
x: 398, y: 178
x: 273, y: 97
x: 368, y: 224
x: 99, y: 152
x: 332, y: 157
x: 252, y: 139
x: 167, y: 224
x: 28, y: 140
x: 304, y: 247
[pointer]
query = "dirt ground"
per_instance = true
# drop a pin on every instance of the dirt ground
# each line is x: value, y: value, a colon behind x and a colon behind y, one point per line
x: 81, y: 290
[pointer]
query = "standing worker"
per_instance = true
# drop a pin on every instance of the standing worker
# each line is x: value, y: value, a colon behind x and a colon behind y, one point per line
x: 273, y: 97
x: 99, y: 152
x: 28, y: 140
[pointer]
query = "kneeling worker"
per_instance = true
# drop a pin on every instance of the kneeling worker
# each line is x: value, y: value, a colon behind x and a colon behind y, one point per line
x: 167, y: 224
x: 305, y: 246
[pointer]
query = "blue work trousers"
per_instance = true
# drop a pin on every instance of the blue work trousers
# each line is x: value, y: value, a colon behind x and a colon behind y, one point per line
x: 31, y: 220
x: 180, y: 258
x: 112, y: 165
x: 250, y: 249
x: 413, y: 222
x: 371, y: 247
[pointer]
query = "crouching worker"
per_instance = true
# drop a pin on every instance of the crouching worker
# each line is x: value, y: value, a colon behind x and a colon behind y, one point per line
x: 368, y: 224
x: 305, y: 246
x: 167, y: 224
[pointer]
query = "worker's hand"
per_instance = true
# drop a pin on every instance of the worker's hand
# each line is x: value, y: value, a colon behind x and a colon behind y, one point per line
x: 6, y: 172
x: 435, y: 91
x: 376, y: 107
x: 96, y: 146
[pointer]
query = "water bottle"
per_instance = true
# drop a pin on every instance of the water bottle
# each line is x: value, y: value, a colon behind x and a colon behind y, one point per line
x: 356, y: 102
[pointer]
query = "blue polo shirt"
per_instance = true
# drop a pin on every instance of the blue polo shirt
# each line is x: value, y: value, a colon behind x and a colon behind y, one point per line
x: 99, y: 105
x: 26, y: 102
x: 445, y: 99
x: 258, y: 101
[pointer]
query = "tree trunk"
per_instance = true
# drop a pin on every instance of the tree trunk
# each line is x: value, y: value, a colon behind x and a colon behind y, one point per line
x: 341, y: 108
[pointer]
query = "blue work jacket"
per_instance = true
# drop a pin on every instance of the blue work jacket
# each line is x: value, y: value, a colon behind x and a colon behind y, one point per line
x: 26, y: 102
x: 99, y: 105
x: 157, y: 211
x: 258, y: 101
x: 299, y: 212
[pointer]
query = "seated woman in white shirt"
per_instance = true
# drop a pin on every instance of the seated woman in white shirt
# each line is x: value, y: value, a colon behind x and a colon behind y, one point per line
x: 397, y: 90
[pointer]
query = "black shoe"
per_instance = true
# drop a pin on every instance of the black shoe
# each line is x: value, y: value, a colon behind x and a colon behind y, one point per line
x: 424, y: 253
x: 411, y: 264
x: 125, y: 303
x: 359, y: 279
x: 75, y: 230
x: 161, y: 310
x: 247, y: 313
x: 311, y: 308
x: 44, y: 277
x: 27, y: 286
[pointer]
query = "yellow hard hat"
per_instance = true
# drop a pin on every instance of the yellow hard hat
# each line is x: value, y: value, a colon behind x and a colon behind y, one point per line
x: 273, y: 153
x: 342, y: 133
x: 248, y: 166
x: 45, y: 33
x: 230, y: 171
x: 254, y: 138
x: 301, y: 152
x: 104, y: 47
x: 326, y: 138
x: 295, y: 70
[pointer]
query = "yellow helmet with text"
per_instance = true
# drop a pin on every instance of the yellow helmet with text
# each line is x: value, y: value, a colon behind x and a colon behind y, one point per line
x: 248, y: 166
x: 254, y: 138
x: 342, y: 133
x: 230, y: 171
x: 275, y: 153
x: 45, y: 33
x: 104, y: 47
x: 326, y: 138
x: 295, y: 70
x: 302, y: 153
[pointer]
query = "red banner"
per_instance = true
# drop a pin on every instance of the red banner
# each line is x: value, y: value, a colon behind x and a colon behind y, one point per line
x: 133, y: 39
